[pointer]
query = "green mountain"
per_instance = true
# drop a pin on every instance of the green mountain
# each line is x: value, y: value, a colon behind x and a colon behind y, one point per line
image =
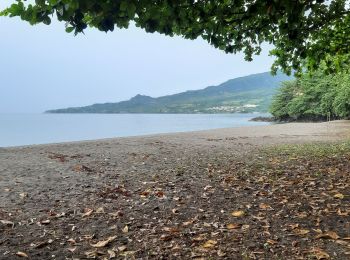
x: 251, y: 93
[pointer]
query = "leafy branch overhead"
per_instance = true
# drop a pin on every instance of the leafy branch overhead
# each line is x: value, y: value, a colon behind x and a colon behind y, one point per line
x: 304, y: 32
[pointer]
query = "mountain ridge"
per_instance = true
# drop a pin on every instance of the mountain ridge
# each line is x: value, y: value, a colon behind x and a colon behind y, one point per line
x: 250, y: 93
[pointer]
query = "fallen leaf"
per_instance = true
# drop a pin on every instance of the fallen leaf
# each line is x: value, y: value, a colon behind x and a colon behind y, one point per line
x: 159, y: 194
x: 301, y: 232
x: 81, y: 168
x: 201, y: 237
x: 72, y: 249
x: 319, y: 254
x: 100, y: 210
x: 23, y: 195
x: 233, y: 226
x: 339, y: 196
x: 125, y: 229
x: 328, y: 235
x: 111, y: 253
x: 221, y: 253
x: 127, y: 253
x: 87, y: 213
x: 264, y: 206
x: 271, y: 242
x: 21, y: 254
x: 121, y: 248
x: 42, y: 244
x: 7, y: 223
x: 340, y: 213
x: 209, y: 244
x: 104, y: 242
x: 238, y: 213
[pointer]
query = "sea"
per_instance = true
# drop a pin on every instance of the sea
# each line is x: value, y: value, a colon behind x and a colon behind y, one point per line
x: 33, y: 129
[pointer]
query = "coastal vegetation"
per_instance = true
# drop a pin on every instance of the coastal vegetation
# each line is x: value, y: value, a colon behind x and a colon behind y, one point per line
x: 315, y: 97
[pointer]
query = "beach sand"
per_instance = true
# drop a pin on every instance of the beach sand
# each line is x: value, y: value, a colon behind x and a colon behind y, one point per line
x: 145, y: 194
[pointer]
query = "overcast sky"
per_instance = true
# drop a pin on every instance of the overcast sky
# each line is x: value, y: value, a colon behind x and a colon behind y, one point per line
x: 42, y: 67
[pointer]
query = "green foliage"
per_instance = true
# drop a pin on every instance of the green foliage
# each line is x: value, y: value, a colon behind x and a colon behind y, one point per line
x: 303, y: 32
x: 313, y: 97
x: 229, y: 97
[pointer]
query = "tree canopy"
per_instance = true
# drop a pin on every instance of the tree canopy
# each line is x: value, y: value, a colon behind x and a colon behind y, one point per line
x: 304, y: 32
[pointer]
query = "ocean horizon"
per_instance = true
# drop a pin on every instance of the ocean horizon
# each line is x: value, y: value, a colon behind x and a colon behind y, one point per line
x: 34, y: 129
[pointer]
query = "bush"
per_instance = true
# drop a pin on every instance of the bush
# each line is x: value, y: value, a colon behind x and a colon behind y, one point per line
x: 315, y: 97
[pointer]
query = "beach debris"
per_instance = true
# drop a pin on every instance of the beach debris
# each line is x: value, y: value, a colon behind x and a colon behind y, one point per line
x: 42, y: 243
x: 21, y: 254
x: 125, y: 229
x: 104, y: 243
x: 238, y: 213
x: 111, y: 253
x: 23, y: 195
x: 328, y: 235
x: 56, y: 156
x: 87, y: 212
x: 7, y: 222
x: 209, y: 244
x: 81, y: 168
x: 339, y: 196
x: 320, y: 254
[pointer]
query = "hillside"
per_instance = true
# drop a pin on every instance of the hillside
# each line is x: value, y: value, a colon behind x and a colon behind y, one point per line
x: 245, y: 94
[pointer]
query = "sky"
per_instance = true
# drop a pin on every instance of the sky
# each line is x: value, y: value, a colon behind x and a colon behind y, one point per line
x: 43, y: 67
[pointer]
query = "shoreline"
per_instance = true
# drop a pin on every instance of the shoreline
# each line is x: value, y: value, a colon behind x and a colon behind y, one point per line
x: 239, y: 130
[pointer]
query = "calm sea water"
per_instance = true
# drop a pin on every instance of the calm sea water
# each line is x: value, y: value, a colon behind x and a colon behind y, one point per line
x: 27, y: 129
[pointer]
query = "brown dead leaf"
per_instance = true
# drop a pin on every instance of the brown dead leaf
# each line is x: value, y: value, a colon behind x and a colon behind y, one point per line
x: 159, y: 194
x: 201, y: 237
x: 121, y: 248
x: 111, y: 253
x: 264, y: 206
x: 21, y: 254
x: 125, y: 229
x: 233, y: 226
x: 87, y: 213
x: 271, y: 242
x: 238, y: 213
x: 81, y: 168
x: 127, y: 254
x: 328, y: 235
x: 7, y: 222
x: 320, y: 254
x: 104, y: 242
x: 221, y: 253
x: 42, y: 244
x: 209, y: 244
x: 23, y: 195
x: 339, y: 196
x: 340, y: 213
x: 72, y: 249
x: 301, y: 232
x: 100, y: 210
x: 187, y: 223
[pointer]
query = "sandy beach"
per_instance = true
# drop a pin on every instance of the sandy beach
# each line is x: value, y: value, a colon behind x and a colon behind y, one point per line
x: 151, y: 197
